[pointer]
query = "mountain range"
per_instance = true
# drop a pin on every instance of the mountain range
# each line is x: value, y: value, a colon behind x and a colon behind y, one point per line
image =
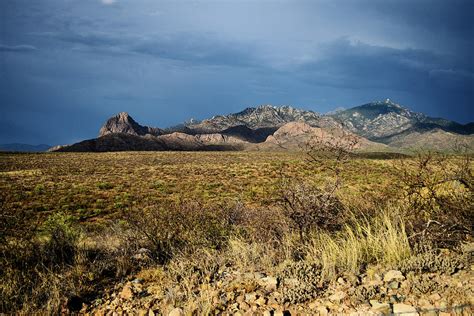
x: 378, y: 126
x: 18, y: 147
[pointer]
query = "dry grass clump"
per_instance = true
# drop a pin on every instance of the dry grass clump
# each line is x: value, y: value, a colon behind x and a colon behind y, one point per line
x: 364, y: 241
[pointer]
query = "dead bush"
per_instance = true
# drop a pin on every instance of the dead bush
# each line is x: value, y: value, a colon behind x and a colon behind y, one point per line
x: 439, y: 191
x: 309, y: 207
x: 171, y: 228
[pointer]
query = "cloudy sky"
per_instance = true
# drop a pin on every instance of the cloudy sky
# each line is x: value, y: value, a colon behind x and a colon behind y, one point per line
x: 67, y: 65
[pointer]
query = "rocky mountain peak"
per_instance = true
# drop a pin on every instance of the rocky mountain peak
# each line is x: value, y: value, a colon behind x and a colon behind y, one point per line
x: 124, y: 116
x: 124, y: 123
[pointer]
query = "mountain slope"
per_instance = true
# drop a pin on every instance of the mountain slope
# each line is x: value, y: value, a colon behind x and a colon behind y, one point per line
x: 435, y: 139
x: 381, y: 120
x: 298, y: 135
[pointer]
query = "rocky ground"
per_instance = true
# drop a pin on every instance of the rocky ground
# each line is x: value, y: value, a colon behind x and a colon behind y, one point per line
x: 419, y: 287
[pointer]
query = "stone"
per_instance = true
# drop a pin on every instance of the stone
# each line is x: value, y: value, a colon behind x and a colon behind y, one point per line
x: 137, y: 281
x: 393, y: 275
x: 244, y: 306
x: 394, y: 285
x: 267, y: 313
x: 250, y: 297
x: 142, y: 312
x: 337, y: 297
x: 404, y: 309
x: 240, y: 298
x: 270, y: 283
x: 261, y: 301
x: 435, y: 297
x: 176, y: 312
x: 127, y: 292
x: 313, y: 305
x: 282, y: 313
x: 272, y: 301
x: 323, y: 311
x: 382, y: 308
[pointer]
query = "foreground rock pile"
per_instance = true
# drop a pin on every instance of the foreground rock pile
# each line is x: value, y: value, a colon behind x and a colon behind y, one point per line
x: 298, y: 289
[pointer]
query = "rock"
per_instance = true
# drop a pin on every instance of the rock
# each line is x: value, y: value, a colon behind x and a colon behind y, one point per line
x: 435, y: 297
x: 244, y: 306
x: 383, y: 308
x: 261, y: 301
x: 394, y: 285
x: 322, y: 310
x: 240, y: 298
x: 250, y: 297
x: 282, y: 313
x: 127, y: 292
x: 176, y: 312
x: 137, y: 281
x: 270, y: 283
x: 337, y: 297
x: 313, y: 305
x: 405, y: 310
x: 393, y: 275
x: 124, y: 123
x: 267, y: 313
x: 142, y: 312
x: 341, y: 281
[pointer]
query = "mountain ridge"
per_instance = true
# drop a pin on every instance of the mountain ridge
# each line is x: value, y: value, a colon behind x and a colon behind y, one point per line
x: 378, y: 124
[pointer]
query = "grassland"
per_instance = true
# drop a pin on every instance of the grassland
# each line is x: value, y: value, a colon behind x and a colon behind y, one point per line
x: 233, y: 232
x: 96, y: 186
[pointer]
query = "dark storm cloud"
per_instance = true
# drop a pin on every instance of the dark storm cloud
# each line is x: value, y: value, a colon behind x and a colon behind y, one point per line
x: 17, y: 48
x: 64, y: 62
x: 181, y: 47
x: 344, y: 64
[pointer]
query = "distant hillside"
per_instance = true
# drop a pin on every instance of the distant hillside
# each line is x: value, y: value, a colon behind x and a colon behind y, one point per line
x: 24, y: 147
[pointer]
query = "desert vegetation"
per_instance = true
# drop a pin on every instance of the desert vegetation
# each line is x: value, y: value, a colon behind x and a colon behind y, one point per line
x: 320, y: 231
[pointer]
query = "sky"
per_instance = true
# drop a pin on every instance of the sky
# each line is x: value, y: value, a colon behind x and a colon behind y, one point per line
x: 68, y: 65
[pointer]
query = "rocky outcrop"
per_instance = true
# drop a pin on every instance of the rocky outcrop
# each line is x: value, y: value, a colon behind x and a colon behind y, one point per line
x: 298, y: 135
x: 124, y: 123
